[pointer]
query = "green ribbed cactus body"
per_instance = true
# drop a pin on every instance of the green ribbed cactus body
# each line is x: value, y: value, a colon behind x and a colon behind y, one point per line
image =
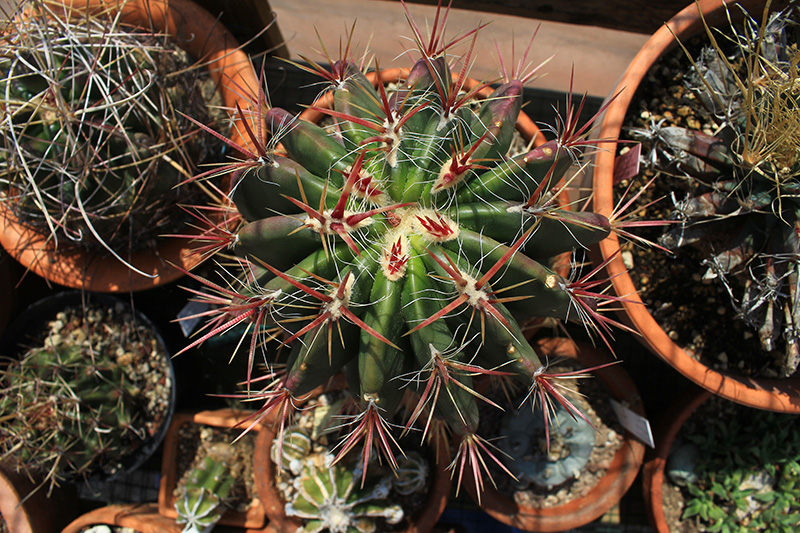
x: 207, y: 487
x: 414, y: 200
x: 89, y: 402
x: 329, y: 497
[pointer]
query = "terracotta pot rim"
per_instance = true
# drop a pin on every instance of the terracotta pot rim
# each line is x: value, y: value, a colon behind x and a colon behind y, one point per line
x: 768, y: 393
x: 654, y: 468
x: 142, y: 517
x: 255, y: 517
x: 22, y: 500
x: 610, y: 489
x: 234, y: 75
x: 12, y: 511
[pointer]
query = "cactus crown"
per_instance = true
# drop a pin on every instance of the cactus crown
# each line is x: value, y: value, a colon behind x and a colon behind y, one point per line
x: 84, y: 400
x: 90, y: 121
x: 402, y: 245
x: 745, y: 213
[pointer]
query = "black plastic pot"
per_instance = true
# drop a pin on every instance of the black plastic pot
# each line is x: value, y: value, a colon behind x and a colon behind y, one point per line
x: 19, y: 336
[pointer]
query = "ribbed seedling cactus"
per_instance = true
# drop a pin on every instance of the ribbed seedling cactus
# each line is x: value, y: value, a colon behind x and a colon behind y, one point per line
x: 402, y: 245
x: 562, y: 459
x: 743, y: 210
x: 411, y: 474
x: 329, y: 498
x: 333, y: 496
x: 82, y: 401
x: 94, y: 143
x: 208, y: 486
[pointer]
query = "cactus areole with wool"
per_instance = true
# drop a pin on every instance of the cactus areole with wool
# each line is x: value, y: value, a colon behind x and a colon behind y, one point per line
x: 402, y: 246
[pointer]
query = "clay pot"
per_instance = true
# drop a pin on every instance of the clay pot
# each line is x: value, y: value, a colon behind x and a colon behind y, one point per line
x: 205, y: 39
x: 141, y: 517
x: 255, y: 517
x: 772, y: 394
x: 654, y: 468
x: 8, y: 280
x: 619, y: 475
x: 21, y: 507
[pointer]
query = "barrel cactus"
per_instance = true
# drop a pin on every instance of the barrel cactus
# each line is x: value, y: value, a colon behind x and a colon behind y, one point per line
x: 403, y: 246
x: 741, y: 209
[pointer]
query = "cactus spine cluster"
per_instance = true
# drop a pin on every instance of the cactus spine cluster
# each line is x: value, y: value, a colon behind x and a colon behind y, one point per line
x: 744, y: 214
x: 402, y: 246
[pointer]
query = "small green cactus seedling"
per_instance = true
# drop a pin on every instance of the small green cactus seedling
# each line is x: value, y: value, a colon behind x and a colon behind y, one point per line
x: 209, y: 484
x: 403, y: 246
x: 87, y: 397
x: 742, y: 472
x: 290, y: 453
x: 743, y: 211
x: 94, y: 143
x: 331, y: 497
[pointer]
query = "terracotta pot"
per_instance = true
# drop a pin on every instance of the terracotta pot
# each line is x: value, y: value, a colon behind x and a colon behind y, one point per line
x: 141, y: 517
x: 205, y: 39
x: 619, y: 476
x: 423, y: 521
x: 255, y: 517
x: 654, y: 467
x: 772, y: 394
x: 525, y: 125
x: 22, y: 511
